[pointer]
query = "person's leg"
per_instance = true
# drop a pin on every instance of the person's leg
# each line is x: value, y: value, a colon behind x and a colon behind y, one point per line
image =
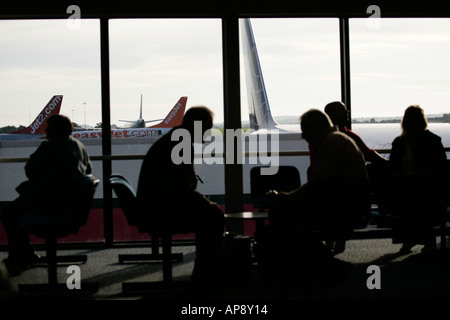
x: 18, y: 242
x: 21, y: 254
x: 209, y: 229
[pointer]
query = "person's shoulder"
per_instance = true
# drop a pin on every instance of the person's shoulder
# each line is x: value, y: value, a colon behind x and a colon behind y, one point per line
x: 349, y: 132
x: 432, y: 136
x: 43, y: 146
x: 73, y: 141
x: 160, y: 146
x: 338, y: 136
x: 398, y: 140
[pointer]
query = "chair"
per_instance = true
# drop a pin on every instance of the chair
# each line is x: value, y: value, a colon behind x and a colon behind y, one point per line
x: 446, y: 214
x: 286, y: 179
x: 57, y: 223
x: 356, y: 210
x: 127, y: 200
x: 347, y: 206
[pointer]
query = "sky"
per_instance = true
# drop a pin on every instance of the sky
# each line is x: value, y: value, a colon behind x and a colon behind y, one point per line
x: 405, y: 61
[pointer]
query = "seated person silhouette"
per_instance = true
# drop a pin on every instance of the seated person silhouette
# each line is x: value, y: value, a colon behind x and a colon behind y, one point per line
x: 414, y: 191
x: 51, y: 171
x: 332, y: 199
x: 167, y: 187
x: 377, y: 166
x: 339, y: 115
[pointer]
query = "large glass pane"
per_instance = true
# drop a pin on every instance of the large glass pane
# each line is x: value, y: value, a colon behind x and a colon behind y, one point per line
x: 404, y: 62
x: 288, y: 66
x: 46, y: 67
x: 164, y: 66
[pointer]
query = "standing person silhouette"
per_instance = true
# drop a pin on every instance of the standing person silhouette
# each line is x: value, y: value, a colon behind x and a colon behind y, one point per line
x: 169, y: 189
x: 414, y: 191
x: 52, y: 171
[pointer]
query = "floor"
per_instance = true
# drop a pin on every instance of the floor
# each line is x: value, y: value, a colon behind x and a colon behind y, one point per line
x: 393, y: 276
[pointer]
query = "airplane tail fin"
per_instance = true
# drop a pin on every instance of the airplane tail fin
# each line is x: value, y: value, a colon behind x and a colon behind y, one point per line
x: 258, y: 103
x: 39, y: 124
x: 175, y: 116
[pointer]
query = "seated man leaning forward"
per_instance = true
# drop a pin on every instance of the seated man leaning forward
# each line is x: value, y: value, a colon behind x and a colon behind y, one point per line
x: 332, y: 202
x: 337, y: 189
x: 167, y: 187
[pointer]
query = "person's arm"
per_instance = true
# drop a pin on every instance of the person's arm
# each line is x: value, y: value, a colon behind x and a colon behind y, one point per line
x: 369, y: 154
x: 37, y: 162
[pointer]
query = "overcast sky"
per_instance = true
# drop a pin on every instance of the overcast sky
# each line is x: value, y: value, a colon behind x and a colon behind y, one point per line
x: 404, y: 62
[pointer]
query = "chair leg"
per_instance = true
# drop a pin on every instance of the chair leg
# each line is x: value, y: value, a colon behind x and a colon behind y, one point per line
x: 53, y: 287
x: 51, y: 261
x: 155, y: 254
x: 167, y: 260
x: 155, y: 245
x: 443, y: 236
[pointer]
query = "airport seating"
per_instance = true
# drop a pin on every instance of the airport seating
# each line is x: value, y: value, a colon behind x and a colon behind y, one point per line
x: 286, y: 179
x: 348, y: 197
x: 56, y: 223
x: 369, y: 227
x: 127, y: 200
x: 380, y: 226
x: 155, y: 254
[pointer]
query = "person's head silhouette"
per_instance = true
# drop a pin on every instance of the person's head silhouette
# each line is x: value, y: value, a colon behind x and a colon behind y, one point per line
x: 198, y: 116
x: 58, y: 126
x: 314, y: 124
x: 414, y: 121
x: 338, y: 113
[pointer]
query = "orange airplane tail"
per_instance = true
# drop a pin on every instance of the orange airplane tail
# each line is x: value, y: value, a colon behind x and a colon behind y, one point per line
x: 39, y: 124
x: 175, y: 116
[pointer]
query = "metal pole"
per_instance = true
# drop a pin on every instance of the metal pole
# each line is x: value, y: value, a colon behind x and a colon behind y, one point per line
x: 106, y: 132
x: 232, y: 111
x: 345, y: 63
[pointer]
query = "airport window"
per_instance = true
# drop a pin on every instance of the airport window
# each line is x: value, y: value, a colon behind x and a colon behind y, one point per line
x: 46, y: 66
x: 397, y: 63
x: 300, y: 62
x: 166, y: 66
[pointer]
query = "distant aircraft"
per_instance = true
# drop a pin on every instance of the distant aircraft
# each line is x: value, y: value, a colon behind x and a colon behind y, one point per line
x: 173, y: 118
x: 36, y: 130
x: 140, y: 123
x: 260, y: 115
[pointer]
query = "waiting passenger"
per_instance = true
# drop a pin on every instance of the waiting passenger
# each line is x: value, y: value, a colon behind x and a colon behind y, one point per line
x: 414, y: 191
x: 169, y: 192
x: 51, y: 170
x: 333, y: 200
x: 377, y: 166
x: 336, y: 165
x: 339, y: 115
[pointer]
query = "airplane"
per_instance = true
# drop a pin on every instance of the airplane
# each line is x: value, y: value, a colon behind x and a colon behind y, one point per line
x: 36, y: 130
x: 173, y: 119
x: 260, y: 115
x: 140, y: 123
x: 262, y: 121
